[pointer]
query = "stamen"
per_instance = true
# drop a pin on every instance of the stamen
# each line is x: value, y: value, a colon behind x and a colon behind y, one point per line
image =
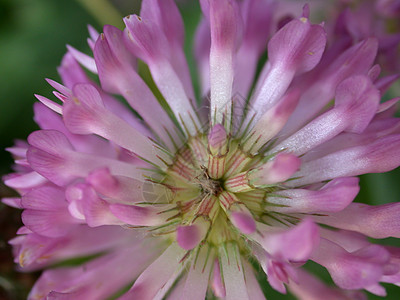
x: 236, y: 162
x: 226, y: 199
x: 208, y: 207
x: 238, y: 183
x: 218, y: 150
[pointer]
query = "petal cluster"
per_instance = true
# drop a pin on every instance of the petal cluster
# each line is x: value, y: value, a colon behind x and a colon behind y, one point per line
x: 168, y: 194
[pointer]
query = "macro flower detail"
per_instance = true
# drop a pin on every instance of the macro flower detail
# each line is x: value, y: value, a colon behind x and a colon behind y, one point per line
x: 180, y: 197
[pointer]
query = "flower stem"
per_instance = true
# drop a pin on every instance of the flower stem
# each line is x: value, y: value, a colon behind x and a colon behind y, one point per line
x: 103, y: 11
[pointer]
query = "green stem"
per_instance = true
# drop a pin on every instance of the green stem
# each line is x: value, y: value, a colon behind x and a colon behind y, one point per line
x: 103, y: 11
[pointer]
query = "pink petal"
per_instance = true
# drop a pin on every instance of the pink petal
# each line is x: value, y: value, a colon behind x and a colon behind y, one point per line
x: 299, y: 45
x: 217, y: 284
x: 117, y: 75
x: 13, y: 202
x: 188, y: 237
x: 379, y: 221
x: 356, y: 60
x: 33, y: 250
x: 381, y: 155
x: 377, y: 289
x: 295, y: 244
x: 356, y: 103
x: 25, y: 181
x: 257, y: 16
x: 376, y: 129
x: 47, y: 198
x: 112, y: 68
x: 84, y: 59
x: 94, y: 34
x: 388, y: 104
x: 17, y: 151
x: 374, y: 72
x: 157, y: 274
x: 277, y: 269
x: 349, y: 240
x: 121, y: 189
x: 50, y: 104
x: 142, y: 215
x: 51, y: 155
x: 334, y: 196
x: 233, y: 273
x: 87, y: 114
x: 294, y: 49
x: 311, y: 288
x: 355, y: 270
x: 277, y: 276
x: 48, y: 223
x: 271, y: 122
x: 196, y: 283
x: 253, y: 287
x: 97, y: 211
x: 47, y: 119
x: 243, y: 221
x: 225, y: 28
x: 117, y: 46
x: 71, y: 72
x: 59, y: 87
x: 383, y: 84
x: 96, y: 279
x: 280, y: 169
x: 177, y: 290
x: 144, y: 39
x: 50, y: 140
x: 360, y: 98
x: 168, y: 18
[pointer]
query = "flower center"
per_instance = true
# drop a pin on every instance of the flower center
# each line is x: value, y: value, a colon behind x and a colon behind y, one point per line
x: 204, y: 208
x: 217, y: 191
x: 208, y: 185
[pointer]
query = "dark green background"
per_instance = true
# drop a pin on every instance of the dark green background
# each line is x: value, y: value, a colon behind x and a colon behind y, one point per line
x: 33, y: 34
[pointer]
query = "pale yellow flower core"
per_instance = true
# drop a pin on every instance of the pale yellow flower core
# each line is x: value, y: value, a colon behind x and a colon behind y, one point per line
x: 201, y: 185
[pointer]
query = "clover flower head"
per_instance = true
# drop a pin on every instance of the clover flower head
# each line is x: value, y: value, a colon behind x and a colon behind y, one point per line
x: 179, y: 196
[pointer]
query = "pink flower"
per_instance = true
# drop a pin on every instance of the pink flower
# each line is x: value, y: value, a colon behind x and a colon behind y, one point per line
x: 178, y: 197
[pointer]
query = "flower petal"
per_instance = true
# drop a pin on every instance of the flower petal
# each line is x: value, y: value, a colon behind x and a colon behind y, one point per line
x: 379, y: 221
x: 188, y: 237
x: 98, y: 278
x: 166, y: 15
x: 146, y: 40
x: 334, y: 196
x: 356, y: 103
x: 142, y: 215
x: 295, y: 244
x: 358, y: 59
x: 294, y: 49
x: 84, y: 59
x: 196, y: 283
x: 45, y: 212
x: 280, y: 169
x: 355, y: 270
x: 157, y: 274
x: 253, y: 287
x: 225, y: 25
x: 121, y: 189
x: 233, y: 274
x: 381, y: 155
x: 52, y: 156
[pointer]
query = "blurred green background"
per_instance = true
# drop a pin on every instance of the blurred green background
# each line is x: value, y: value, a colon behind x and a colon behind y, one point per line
x: 33, y: 34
